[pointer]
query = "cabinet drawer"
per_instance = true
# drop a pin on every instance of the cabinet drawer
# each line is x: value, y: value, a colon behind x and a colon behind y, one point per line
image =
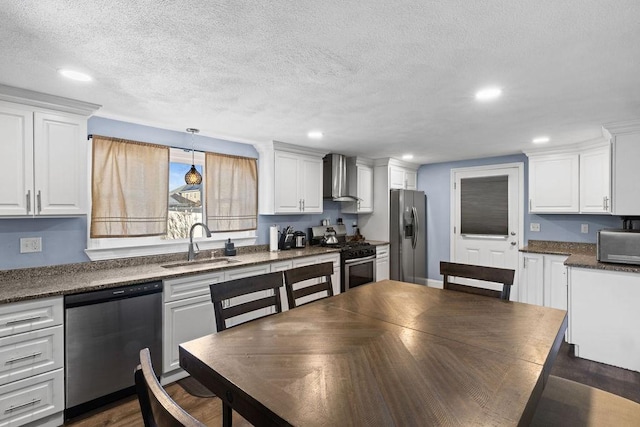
x: 19, y: 317
x: 36, y: 397
x: 240, y: 273
x: 382, y: 251
x: 35, y: 352
x: 331, y: 257
x: 189, y: 287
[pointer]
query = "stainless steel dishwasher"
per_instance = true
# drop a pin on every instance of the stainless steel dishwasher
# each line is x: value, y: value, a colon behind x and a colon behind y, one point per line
x: 104, y: 332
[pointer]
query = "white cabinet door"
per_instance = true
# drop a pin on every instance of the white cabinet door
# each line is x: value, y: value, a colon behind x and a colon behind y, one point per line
x: 604, y: 316
x: 595, y: 180
x: 626, y: 175
x: 396, y: 178
x: 365, y: 189
x: 382, y: 262
x: 555, y: 281
x: 531, y: 279
x: 185, y: 320
x: 298, y: 183
x: 16, y: 160
x: 310, y: 179
x: 554, y: 183
x: 60, y: 164
x: 286, y: 190
x: 411, y: 180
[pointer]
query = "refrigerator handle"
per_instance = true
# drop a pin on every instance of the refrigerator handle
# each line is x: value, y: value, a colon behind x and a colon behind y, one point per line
x: 416, y: 227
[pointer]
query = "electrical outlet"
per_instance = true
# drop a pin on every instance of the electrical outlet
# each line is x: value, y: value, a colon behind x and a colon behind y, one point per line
x: 30, y: 244
x: 534, y: 226
x: 584, y: 228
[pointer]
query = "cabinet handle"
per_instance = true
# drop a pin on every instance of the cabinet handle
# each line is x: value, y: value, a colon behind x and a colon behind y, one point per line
x: 26, y: 319
x: 28, y: 201
x: 529, y: 205
x: 605, y: 202
x: 22, y: 405
x: 39, y: 202
x: 28, y: 356
x: 302, y: 205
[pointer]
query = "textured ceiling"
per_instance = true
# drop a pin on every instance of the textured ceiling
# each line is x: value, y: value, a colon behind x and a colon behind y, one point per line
x: 379, y: 78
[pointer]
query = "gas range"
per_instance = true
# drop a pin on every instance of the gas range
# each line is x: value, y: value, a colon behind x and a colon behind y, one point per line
x: 357, y: 249
x: 349, y: 249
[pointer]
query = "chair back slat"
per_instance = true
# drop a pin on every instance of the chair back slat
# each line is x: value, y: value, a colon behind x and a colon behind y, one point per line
x: 488, y: 274
x: 297, y: 275
x: 157, y: 407
x: 221, y: 292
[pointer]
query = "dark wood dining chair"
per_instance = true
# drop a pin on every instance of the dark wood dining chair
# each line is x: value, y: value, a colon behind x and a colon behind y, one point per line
x: 478, y: 272
x: 221, y: 292
x: 297, y: 275
x: 566, y: 403
x: 157, y: 407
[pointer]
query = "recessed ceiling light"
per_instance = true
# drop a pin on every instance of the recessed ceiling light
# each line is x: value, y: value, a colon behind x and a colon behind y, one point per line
x: 488, y: 94
x: 540, y: 140
x: 75, y: 75
x: 407, y: 156
x: 315, y: 134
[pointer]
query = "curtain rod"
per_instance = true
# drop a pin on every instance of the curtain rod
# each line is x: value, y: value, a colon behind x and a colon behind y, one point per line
x: 90, y: 136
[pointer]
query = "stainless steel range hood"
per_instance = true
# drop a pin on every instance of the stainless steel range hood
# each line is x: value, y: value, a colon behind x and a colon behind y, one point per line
x: 335, y: 178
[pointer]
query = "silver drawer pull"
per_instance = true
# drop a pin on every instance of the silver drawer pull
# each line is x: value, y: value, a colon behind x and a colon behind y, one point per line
x: 26, y: 319
x: 29, y: 356
x: 22, y: 405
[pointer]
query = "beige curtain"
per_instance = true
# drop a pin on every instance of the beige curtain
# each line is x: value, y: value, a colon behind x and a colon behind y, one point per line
x: 130, y: 188
x: 232, y: 192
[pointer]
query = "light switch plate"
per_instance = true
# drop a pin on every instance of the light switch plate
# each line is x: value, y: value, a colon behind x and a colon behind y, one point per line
x: 584, y: 228
x: 534, y: 226
x: 30, y: 244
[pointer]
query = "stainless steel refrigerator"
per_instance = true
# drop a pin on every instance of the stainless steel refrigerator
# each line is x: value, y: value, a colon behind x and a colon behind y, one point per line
x: 407, y: 236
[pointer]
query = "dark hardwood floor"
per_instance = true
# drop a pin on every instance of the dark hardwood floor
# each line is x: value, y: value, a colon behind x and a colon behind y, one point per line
x: 618, y: 381
x: 126, y: 412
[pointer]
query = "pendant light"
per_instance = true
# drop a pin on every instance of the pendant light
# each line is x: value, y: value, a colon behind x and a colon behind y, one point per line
x: 193, y: 177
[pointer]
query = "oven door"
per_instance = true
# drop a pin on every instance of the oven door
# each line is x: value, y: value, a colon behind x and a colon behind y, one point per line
x: 359, y: 271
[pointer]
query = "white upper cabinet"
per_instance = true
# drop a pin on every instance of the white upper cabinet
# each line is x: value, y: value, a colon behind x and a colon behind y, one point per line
x: 16, y: 160
x: 554, y: 183
x: 572, y: 179
x: 43, y: 154
x: 595, y: 180
x: 298, y: 183
x: 626, y: 170
x: 403, y: 178
x: 290, y: 179
x: 360, y: 185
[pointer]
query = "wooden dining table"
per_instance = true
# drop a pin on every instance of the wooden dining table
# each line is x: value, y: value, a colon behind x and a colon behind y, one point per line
x: 387, y: 353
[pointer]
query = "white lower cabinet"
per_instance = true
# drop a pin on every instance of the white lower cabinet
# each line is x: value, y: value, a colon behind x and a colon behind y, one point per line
x: 542, y: 280
x: 335, y: 278
x: 31, y: 363
x: 604, y: 316
x: 37, y: 400
x: 282, y: 266
x: 382, y: 262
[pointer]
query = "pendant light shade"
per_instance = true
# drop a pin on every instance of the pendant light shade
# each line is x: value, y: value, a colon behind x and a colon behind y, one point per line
x: 193, y: 177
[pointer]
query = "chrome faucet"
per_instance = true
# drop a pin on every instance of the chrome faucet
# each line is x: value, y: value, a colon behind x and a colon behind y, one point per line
x: 192, y: 253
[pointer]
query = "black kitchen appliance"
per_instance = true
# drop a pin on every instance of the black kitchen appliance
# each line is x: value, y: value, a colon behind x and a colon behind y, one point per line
x: 357, y: 257
x: 286, y: 239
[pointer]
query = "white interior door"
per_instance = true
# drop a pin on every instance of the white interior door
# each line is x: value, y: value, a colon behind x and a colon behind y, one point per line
x: 487, y: 216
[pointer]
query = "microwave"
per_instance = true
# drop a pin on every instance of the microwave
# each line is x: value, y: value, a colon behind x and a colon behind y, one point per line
x: 618, y: 246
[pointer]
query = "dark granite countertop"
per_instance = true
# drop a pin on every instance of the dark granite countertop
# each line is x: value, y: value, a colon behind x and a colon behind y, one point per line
x: 581, y: 255
x: 42, y: 282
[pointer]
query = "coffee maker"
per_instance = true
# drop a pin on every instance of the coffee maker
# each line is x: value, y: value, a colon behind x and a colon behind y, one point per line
x: 299, y: 239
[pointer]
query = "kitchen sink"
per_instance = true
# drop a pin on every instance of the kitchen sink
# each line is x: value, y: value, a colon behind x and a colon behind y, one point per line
x: 201, y: 262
